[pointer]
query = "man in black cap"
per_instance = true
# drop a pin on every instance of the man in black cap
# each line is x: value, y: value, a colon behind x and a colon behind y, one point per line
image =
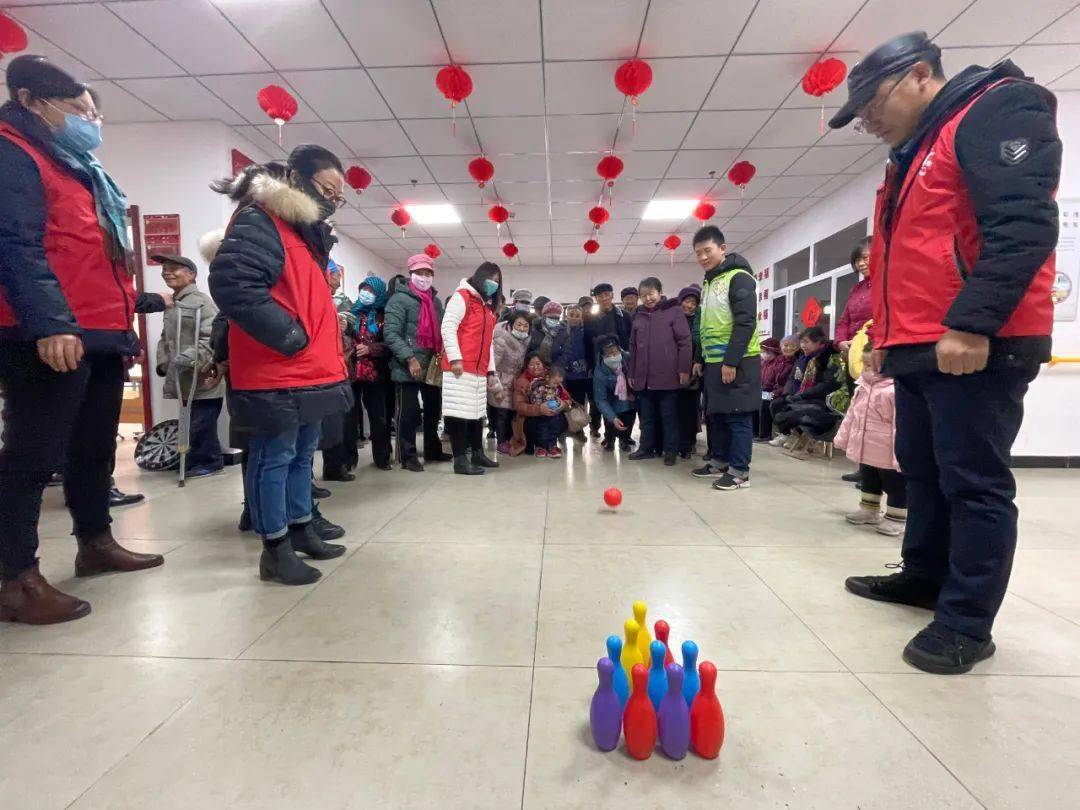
x: 963, y: 263
x: 610, y: 320
x: 629, y: 298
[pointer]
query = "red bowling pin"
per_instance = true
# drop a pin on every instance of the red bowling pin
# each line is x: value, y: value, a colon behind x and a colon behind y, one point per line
x: 706, y: 716
x: 663, y: 630
x: 639, y: 719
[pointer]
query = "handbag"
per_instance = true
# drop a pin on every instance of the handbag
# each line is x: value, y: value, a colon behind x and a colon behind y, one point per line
x: 577, y: 418
x: 433, y: 375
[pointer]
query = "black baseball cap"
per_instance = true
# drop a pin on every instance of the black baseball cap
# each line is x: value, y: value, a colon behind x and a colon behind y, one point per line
x: 168, y: 258
x: 898, y: 54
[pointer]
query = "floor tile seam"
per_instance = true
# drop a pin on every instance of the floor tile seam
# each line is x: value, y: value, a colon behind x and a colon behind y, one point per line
x: 1040, y: 606
x: 536, y: 641
x: 422, y: 491
x: 689, y: 505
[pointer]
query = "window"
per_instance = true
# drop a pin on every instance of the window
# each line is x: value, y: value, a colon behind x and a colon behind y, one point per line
x: 792, y: 270
x: 844, y: 285
x: 821, y: 292
x: 834, y: 251
x: 779, y: 317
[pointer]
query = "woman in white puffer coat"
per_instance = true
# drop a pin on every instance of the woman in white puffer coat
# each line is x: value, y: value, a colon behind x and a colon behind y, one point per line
x: 468, y: 364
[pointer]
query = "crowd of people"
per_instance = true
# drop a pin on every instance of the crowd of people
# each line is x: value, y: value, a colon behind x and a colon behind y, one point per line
x: 922, y: 383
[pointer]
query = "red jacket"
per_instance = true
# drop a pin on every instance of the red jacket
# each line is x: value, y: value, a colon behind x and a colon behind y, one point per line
x: 474, y: 333
x: 101, y: 295
x: 858, y: 310
x: 927, y: 245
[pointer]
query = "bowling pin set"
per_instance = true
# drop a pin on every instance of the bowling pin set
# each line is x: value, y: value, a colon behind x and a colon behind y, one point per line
x: 655, y: 700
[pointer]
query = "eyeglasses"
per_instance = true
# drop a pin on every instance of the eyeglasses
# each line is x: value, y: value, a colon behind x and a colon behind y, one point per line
x: 87, y: 115
x: 874, y: 107
x: 334, y: 196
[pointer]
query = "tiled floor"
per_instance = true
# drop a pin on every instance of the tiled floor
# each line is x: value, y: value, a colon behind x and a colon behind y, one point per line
x: 447, y: 660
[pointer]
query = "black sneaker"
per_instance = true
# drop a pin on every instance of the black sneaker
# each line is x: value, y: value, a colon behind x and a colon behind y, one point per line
x: 320, y: 492
x: 730, y: 480
x: 638, y: 455
x: 942, y: 651
x: 709, y: 471
x: 412, y: 464
x: 903, y: 588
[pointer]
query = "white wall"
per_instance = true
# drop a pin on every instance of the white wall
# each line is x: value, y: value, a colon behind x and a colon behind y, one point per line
x: 1050, y: 429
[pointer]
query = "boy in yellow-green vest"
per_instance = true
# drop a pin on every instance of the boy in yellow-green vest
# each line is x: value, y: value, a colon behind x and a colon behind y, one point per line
x: 730, y: 360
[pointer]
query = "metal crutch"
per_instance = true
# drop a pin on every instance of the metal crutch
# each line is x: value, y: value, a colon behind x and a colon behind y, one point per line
x: 183, y: 438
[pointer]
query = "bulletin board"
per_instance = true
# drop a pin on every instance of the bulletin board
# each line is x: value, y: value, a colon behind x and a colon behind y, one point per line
x: 1066, y: 291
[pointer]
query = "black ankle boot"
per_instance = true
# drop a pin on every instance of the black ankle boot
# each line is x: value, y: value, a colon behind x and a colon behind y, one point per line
x: 279, y: 563
x: 462, y: 466
x: 323, y: 527
x: 480, y: 460
x: 306, y: 540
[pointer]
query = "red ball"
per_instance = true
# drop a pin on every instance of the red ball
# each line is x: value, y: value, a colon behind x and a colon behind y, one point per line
x: 612, y: 496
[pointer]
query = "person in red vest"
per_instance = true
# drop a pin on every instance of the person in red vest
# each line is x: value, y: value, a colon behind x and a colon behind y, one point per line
x: 962, y: 262
x: 67, y: 299
x: 287, y: 369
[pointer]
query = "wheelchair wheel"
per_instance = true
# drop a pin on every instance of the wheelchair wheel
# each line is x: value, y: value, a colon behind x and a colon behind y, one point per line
x: 156, y: 450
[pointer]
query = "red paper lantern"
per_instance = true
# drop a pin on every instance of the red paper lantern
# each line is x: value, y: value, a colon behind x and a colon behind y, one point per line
x: 498, y: 214
x: 433, y: 251
x: 742, y: 173
x: 704, y: 211
x: 510, y: 250
x: 823, y: 77
x: 598, y: 215
x: 12, y: 36
x: 481, y: 169
x: 401, y: 218
x: 455, y: 83
x: 358, y: 178
x: 672, y: 242
x: 591, y: 246
x: 633, y: 78
x: 609, y: 168
x: 279, y: 104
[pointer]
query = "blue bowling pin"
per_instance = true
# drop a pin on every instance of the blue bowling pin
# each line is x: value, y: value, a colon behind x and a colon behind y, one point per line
x: 657, y: 674
x: 605, y: 713
x: 691, y: 682
x: 619, y: 679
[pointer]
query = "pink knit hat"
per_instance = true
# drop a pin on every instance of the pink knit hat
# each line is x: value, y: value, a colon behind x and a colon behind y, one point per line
x: 421, y: 261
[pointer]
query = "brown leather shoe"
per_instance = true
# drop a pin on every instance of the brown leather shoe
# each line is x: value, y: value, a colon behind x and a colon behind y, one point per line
x: 101, y: 553
x: 31, y: 600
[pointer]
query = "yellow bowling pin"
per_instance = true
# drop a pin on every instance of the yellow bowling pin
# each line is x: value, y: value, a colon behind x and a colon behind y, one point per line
x: 643, y: 639
x: 630, y: 653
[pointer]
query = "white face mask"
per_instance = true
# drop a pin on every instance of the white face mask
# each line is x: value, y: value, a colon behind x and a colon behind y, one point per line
x: 422, y: 282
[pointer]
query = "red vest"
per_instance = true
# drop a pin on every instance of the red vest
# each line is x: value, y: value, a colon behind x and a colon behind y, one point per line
x: 920, y: 263
x: 101, y: 295
x: 474, y: 335
x: 302, y: 291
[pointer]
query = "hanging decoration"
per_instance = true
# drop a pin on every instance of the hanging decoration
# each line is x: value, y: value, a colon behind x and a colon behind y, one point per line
x: 433, y: 251
x: 598, y: 215
x: 510, y: 250
x: 672, y: 244
x: 704, y: 211
x: 498, y: 214
x: 591, y: 246
x: 481, y: 170
x: 455, y: 83
x: 401, y: 218
x: 742, y: 173
x: 632, y: 78
x: 279, y: 104
x: 821, y: 78
x: 358, y: 178
x: 12, y: 36
x: 609, y: 168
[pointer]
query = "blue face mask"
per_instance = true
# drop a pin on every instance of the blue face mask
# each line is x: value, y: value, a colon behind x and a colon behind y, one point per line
x: 552, y: 322
x: 365, y: 297
x: 491, y: 286
x: 78, y: 134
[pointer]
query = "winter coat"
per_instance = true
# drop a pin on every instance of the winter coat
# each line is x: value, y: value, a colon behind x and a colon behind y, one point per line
x: 522, y: 396
x: 965, y: 224
x: 375, y: 365
x: 604, y: 380
x: 509, y: 361
x: 775, y: 374
x: 198, y: 354
x: 857, y: 311
x: 660, y: 347
x: 817, y: 379
x: 268, y: 277
x: 467, y: 329
x: 399, y: 329
x: 868, y: 432
x: 573, y: 358
x: 614, y: 322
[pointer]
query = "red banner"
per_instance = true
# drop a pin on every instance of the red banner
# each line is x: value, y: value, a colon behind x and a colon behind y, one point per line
x: 811, y: 313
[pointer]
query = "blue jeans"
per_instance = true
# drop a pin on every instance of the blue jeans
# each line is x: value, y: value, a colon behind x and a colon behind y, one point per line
x: 733, y: 439
x: 658, y: 410
x: 278, y: 479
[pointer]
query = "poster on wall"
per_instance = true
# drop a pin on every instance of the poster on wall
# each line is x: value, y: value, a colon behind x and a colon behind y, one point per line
x: 1066, y: 289
x: 161, y: 234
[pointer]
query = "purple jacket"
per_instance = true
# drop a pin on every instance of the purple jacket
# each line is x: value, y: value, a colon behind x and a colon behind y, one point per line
x: 858, y: 310
x: 660, y: 347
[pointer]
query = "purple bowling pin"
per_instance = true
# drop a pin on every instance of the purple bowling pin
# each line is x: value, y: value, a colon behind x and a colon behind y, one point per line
x: 605, y: 712
x: 674, y: 716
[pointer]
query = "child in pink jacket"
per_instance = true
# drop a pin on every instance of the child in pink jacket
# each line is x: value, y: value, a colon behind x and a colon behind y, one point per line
x: 868, y: 435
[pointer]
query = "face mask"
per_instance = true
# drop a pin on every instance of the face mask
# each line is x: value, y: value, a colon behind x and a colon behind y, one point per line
x: 613, y: 362
x: 78, y: 134
x: 552, y: 322
x: 519, y: 334
x: 326, y: 207
x: 421, y: 282
x: 490, y: 287
x: 366, y: 297
x: 522, y: 307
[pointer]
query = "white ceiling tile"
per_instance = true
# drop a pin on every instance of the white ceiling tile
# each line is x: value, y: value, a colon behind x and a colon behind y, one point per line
x: 520, y: 168
x: 398, y: 170
x: 58, y: 56
x: 684, y: 189
x: 599, y: 29
x: 827, y: 159
x: 511, y: 134
x: 532, y: 228
x: 487, y: 241
x: 472, y: 213
x: 367, y: 139
x: 771, y: 162
x: 953, y: 60
x: 642, y: 165
x: 1070, y: 81
x: 1045, y: 63
x: 256, y: 140
x: 539, y: 258
x: 767, y: 206
x: 452, y: 170
x: 372, y: 200
x: 874, y: 159
x: 622, y: 224
x: 749, y: 222
x: 1002, y: 22
x: 759, y: 82
x: 535, y: 241
x: 391, y: 32
x: 800, y: 127
x: 361, y: 231
x: 835, y: 184
x: 697, y: 163
x: 120, y: 107
x: 439, y: 136
x: 808, y: 26
x: 292, y: 135
x: 792, y: 186
x: 182, y: 99
x: 670, y: 28
x: 339, y: 95
x: 662, y: 130
x: 641, y: 250
x: 466, y: 193
x: 634, y: 191
x: 291, y: 34
x: 505, y: 90
x: 575, y: 191
x: 584, y: 87
x: 880, y: 20
x: 411, y: 92
x: 1066, y: 29
x: 680, y: 85
x: 524, y: 192
x: 846, y: 136
x: 527, y: 211
x: 96, y: 37
x: 574, y: 167
x: 725, y: 130
x: 571, y: 210
x: 194, y: 34
x: 579, y: 228
x: 490, y: 30
x: 426, y: 194
x: 584, y: 133
x: 240, y: 92
x: 353, y: 217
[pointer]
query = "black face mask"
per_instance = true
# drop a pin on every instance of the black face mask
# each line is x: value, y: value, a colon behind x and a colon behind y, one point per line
x: 326, y: 207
